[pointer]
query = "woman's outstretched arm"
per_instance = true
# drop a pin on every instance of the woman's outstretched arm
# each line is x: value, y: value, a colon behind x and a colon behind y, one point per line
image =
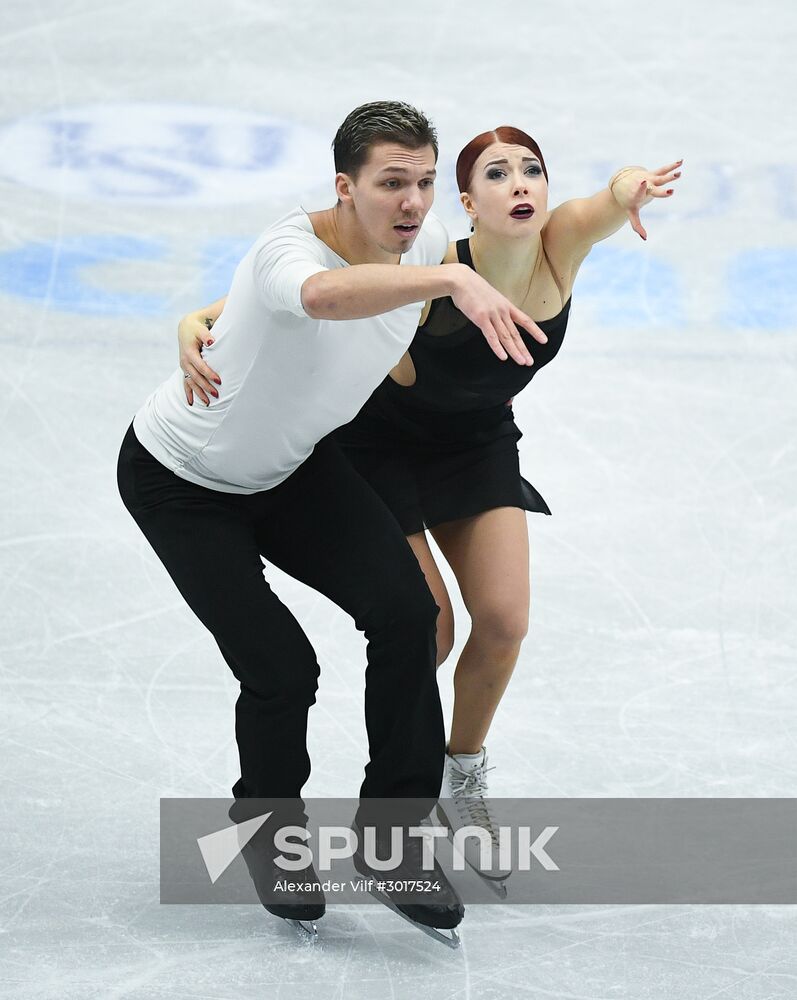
x: 575, y: 226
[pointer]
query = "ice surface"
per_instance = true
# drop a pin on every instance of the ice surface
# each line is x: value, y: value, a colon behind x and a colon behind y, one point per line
x: 661, y: 660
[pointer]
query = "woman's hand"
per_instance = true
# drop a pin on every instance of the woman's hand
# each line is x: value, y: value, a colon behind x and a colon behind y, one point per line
x: 194, y: 333
x: 634, y: 187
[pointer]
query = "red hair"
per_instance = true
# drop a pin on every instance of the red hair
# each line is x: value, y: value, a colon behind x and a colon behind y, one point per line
x: 474, y: 149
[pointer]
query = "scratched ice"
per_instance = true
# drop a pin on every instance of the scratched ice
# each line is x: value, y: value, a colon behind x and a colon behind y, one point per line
x: 661, y: 660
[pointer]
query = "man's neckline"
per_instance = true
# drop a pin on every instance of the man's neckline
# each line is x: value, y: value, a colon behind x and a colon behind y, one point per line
x: 334, y: 252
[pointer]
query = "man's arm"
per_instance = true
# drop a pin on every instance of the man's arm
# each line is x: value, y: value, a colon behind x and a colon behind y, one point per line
x: 291, y: 273
x: 370, y: 289
x: 364, y: 290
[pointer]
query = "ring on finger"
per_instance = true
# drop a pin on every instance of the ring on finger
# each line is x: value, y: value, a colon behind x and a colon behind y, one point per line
x: 186, y: 375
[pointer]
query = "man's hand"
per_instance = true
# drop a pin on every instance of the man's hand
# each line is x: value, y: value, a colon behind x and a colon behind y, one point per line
x: 193, y: 334
x: 495, y: 316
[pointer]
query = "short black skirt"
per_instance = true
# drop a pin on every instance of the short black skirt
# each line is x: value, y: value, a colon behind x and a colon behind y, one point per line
x: 430, y: 467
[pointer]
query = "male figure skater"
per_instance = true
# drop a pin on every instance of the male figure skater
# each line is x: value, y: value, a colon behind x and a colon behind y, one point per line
x: 320, y: 309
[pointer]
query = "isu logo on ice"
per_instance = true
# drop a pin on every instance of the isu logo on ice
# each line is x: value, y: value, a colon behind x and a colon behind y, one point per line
x: 336, y: 843
x: 164, y: 153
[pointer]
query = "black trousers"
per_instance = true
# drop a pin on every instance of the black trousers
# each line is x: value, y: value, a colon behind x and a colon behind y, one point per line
x: 326, y: 527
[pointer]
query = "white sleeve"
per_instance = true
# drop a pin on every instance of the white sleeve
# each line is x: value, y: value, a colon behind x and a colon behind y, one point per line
x: 282, y: 265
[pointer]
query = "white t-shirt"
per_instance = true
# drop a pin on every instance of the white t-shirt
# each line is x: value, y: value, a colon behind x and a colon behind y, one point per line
x: 287, y: 380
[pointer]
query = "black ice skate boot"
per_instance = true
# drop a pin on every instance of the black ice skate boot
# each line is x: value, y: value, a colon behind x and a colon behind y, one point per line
x: 424, y: 897
x: 294, y: 896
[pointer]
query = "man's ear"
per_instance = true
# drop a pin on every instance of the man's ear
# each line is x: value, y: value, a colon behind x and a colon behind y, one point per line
x: 343, y: 186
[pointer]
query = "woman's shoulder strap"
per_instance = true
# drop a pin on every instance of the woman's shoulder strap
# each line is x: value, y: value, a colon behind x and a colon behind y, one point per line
x: 463, y: 252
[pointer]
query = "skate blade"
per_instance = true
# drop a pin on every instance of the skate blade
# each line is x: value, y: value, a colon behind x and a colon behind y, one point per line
x: 450, y: 939
x: 496, y: 885
x: 306, y: 929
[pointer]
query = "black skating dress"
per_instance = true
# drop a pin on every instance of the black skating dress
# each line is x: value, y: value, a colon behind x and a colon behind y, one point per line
x: 446, y: 447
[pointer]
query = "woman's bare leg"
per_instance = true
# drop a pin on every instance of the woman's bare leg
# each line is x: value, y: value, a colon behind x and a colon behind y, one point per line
x: 489, y: 554
x: 445, y: 621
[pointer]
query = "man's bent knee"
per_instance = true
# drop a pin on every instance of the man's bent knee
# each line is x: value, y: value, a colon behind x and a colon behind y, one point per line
x: 407, y: 604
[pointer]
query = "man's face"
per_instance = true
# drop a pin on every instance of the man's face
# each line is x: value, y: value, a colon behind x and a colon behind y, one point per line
x: 392, y: 194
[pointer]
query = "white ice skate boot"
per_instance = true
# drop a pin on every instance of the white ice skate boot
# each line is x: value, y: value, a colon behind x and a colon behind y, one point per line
x: 463, y: 803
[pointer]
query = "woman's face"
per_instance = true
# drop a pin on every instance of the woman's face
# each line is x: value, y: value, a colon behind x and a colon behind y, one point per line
x: 507, y: 193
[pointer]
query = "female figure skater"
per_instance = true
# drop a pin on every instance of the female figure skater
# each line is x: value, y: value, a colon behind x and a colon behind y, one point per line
x: 438, y: 441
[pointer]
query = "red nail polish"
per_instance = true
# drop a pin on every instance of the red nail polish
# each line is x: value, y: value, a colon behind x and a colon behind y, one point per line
x: 209, y: 343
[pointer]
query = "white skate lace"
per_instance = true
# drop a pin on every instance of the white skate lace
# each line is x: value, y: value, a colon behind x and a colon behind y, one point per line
x: 468, y: 789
